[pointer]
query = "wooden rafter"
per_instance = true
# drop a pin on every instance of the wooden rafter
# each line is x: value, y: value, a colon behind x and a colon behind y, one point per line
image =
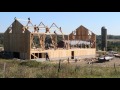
x: 53, y: 41
x: 54, y: 25
x: 32, y: 43
x: 41, y: 23
x: 29, y: 22
x: 42, y: 41
x: 92, y: 44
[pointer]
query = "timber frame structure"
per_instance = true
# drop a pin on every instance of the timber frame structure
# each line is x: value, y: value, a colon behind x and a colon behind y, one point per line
x: 20, y: 41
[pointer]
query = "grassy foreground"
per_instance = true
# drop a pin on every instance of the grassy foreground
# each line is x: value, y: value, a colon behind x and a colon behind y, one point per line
x: 33, y: 69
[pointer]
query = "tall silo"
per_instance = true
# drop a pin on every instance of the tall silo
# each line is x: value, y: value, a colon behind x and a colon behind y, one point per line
x: 104, y: 38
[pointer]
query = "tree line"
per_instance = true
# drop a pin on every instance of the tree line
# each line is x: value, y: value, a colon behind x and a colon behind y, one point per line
x: 110, y: 45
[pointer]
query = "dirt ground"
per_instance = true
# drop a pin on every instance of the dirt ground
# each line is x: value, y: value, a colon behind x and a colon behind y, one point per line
x: 110, y: 63
x: 94, y: 62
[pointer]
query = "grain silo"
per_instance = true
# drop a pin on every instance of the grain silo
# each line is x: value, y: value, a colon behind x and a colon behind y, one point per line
x: 104, y: 38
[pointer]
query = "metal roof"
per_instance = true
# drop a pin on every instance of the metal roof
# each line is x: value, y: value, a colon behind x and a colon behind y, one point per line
x: 74, y: 42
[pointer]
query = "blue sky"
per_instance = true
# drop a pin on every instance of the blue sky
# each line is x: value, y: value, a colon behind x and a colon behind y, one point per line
x: 69, y: 21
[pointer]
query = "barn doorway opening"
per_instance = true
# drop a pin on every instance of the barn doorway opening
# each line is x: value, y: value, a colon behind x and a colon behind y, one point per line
x: 72, y: 54
x: 16, y: 55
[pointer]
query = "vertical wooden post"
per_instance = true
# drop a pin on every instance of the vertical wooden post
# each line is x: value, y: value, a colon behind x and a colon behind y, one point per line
x: 95, y: 42
x: 115, y: 68
x: 59, y: 66
x: 91, y: 69
x: 56, y: 42
x: 68, y: 43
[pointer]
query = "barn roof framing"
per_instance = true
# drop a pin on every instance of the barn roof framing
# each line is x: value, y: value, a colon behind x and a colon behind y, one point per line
x: 23, y: 41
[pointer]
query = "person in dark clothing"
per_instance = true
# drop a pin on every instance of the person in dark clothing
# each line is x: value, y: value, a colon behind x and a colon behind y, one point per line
x: 47, y: 57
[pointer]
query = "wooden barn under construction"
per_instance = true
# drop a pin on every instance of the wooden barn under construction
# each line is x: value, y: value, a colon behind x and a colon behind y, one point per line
x: 26, y: 41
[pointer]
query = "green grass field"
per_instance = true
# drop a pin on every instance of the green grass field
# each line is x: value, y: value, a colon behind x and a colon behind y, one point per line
x: 33, y: 69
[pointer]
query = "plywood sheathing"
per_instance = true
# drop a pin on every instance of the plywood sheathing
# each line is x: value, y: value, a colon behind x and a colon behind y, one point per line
x: 91, y: 52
